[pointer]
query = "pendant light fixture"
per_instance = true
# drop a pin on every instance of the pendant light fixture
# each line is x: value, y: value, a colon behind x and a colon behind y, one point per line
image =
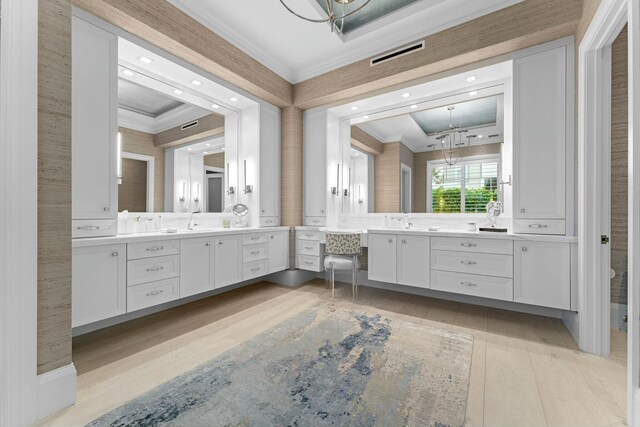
x: 451, y: 140
x: 334, y: 17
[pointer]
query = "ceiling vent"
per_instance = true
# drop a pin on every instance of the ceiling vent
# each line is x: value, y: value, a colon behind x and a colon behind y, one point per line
x: 190, y: 125
x: 402, y: 51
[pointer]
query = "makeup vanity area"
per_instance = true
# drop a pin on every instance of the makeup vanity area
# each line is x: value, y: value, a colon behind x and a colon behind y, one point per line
x: 391, y: 170
x: 162, y: 156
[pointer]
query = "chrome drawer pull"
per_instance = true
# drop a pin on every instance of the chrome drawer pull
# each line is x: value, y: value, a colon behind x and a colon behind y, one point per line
x: 468, y: 284
x: 404, y: 242
x: 254, y: 269
x: 114, y: 253
x: 269, y: 221
x: 154, y: 293
x: 88, y: 228
x: 468, y: 262
x: 309, y: 248
x: 255, y: 252
x: 537, y: 226
x: 154, y: 269
x: 155, y: 249
x: 390, y: 241
x: 468, y: 245
x: 220, y: 243
x: 255, y: 238
x: 311, y: 236
x: 308, y: 263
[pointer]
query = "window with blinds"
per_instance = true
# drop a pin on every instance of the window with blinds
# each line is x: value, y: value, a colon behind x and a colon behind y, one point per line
x: 464, y: 187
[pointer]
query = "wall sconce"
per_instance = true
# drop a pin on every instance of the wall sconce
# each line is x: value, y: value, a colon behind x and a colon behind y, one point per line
x: 334, y: 190
x: 360, y: 199
x: 182, y: 198
x: 231, y: 190
x: 197, y: 198
x: 248, y: 189
x: 347, y: 192
x: 119, y: 158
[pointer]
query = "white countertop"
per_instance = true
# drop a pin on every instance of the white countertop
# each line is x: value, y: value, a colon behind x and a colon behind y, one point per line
x: 459, y: 233
x: 157, y: 235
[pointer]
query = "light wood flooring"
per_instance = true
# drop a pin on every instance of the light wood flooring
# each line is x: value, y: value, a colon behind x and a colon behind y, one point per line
x: 526, y: 370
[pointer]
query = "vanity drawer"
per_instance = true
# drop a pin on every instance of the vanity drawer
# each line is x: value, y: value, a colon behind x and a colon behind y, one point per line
x: 152, y: 269
x: 252, y: 239
x: 308, y: 247
x: 475, y: 263
x: 254, y: 252
x: 153, y: 249
x: 310, y: 263
x: 93, y: 228
x: 254, y: 269
x: 315, y: 221
x: 471, y: 284
x: 487, y: 246
x: 539, y: 226
x: 150, y: 294
x: 308, y: 235
x: 269, y: 221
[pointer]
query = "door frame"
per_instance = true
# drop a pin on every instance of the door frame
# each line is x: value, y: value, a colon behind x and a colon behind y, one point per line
x: 151, y: 173
x: 19, y: 396
x: 594, y: 136
x: 633, y: 339
x: 406, y: 168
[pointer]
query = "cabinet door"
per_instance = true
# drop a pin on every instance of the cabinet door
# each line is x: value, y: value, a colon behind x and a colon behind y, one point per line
x: 94, y: 122
x: 413, y: 261
x: 315, y: 154
x: 269, y: 162
x: 195, y: 266
x: 99, y: 283
x: 539, y: 143
x: 543, y: 274
x: 278, y: 251
x: 382, y: 257
x: 227, y: 266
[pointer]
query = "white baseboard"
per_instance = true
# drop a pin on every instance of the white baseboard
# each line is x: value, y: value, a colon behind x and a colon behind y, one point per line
x: 56, y: 390
x: 571, y: 320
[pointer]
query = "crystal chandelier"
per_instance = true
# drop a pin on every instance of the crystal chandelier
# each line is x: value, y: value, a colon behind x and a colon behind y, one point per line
x: 451, y: 140
x: 332, y: 18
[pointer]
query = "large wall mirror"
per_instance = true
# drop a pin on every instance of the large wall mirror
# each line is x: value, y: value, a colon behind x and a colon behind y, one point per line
x: 442, y: 157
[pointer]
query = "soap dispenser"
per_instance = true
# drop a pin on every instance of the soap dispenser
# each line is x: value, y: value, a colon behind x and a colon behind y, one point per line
x: 385, y: 224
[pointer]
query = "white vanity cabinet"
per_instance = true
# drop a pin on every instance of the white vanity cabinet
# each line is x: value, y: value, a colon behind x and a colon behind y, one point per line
x: 99, y: 283
x: 541, y: 148
x: 196, y: 266
x: 94, y: 130
x: 543, y: 274
x: 269, y: 167
x: 413, y: 261
x: 383, y: 257
x: 227, y: 265
x: 278, y: 251
x: 315, y: 168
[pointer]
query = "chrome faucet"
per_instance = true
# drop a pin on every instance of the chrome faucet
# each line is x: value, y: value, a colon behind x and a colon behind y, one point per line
x: 191, y: 223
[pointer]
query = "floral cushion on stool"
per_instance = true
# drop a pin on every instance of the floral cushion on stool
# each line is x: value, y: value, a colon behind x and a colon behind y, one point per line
x: 343, y: 244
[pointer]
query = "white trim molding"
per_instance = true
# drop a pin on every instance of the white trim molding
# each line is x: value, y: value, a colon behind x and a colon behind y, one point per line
x: 633, y: 347
x: 56, y: 390
x: 18, y: 212
x: 594, y: 126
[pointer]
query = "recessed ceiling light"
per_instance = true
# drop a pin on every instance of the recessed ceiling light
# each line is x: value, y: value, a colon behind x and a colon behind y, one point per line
x: 406, y: 95
x: 473, y: 93
x: 208, y: 145
x: 222, y: 148
x: 233, y: 99
x: 414, y: 106
x: 365, y: 117
x: 354, y: 108
x: 178, y: 91
x: 206, y: 152
x: 128, y: 72
x: 189, y: 149
x: 479, y: 136
x: 471, y: 78
x: 145, y: 60
x: 216, y: 106
x: 196, y: 82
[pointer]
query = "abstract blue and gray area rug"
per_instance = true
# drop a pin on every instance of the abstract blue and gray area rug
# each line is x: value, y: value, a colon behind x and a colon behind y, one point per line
x: 326, y: 366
